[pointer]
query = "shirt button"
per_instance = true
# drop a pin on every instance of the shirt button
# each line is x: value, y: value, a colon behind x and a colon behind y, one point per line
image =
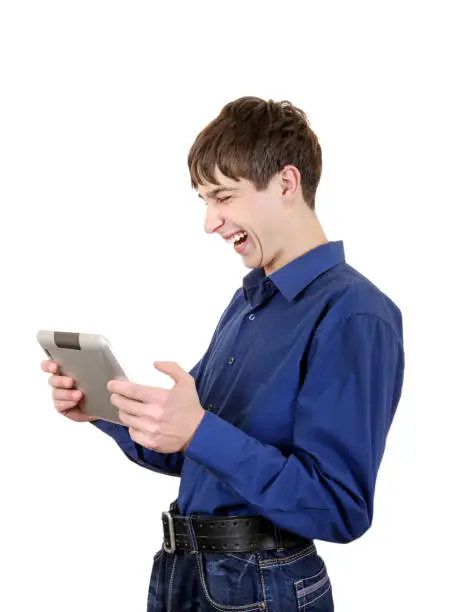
x: 252, y: 317
x: 231, y: 360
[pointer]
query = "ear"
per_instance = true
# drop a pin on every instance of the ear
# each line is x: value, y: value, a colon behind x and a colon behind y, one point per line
x: 290, y: 180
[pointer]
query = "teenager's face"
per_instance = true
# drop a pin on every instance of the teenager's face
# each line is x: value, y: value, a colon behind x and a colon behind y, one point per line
x: 234, y: 206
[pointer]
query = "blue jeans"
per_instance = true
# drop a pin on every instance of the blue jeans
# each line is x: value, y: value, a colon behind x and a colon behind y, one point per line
x: 270, y: 580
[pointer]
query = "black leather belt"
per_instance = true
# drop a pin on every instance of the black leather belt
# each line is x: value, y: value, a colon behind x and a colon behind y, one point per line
x: 227, y: 534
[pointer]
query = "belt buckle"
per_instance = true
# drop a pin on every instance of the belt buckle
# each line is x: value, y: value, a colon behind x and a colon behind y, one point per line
x: 172, y: 548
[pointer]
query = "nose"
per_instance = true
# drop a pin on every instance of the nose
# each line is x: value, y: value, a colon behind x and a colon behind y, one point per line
x: 214, y: 219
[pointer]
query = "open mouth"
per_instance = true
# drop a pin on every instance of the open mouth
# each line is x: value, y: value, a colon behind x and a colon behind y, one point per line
x: 241, y: 241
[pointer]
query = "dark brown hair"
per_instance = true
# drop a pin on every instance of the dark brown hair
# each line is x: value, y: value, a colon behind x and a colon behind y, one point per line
x: 254, y: 139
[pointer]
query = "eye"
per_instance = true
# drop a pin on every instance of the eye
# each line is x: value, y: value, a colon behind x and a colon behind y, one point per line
x: 222, y: 200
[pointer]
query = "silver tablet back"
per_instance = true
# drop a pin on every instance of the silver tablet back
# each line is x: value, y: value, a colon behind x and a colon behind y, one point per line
x: 89, y: 360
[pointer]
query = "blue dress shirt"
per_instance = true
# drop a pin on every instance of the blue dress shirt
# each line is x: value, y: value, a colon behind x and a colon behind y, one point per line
x: 300, y: 384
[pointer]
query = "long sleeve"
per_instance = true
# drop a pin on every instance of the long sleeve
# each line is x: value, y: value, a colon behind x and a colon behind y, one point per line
x: 324, y: 488
x: 164, y: 463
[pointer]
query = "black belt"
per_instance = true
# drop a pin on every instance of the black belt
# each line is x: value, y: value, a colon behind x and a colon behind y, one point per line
x: 227, y: 534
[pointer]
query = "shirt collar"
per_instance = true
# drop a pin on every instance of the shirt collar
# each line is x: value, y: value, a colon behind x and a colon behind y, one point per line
x: 297, y: 274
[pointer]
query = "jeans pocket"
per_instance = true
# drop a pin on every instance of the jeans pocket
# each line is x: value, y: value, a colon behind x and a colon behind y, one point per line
x: 314, y: 592
x: 231, y: 581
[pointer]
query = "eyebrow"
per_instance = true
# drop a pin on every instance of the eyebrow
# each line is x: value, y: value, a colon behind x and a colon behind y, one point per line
x: 216, y: 191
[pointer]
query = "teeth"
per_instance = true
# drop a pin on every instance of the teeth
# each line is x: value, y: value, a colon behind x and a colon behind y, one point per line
x: 237, y: 237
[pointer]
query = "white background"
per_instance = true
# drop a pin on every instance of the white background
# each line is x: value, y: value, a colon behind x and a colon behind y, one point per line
x: 101, y: 233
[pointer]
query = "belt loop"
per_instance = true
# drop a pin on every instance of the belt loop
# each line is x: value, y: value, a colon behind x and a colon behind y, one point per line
x: 278, y: 537
x: 191, y: 534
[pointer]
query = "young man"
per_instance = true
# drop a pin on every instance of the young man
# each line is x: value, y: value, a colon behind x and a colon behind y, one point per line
x: 279, y: 430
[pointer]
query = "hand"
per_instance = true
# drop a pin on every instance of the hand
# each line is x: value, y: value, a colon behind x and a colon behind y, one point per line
x: 164, y: 420
x: 67, y: 399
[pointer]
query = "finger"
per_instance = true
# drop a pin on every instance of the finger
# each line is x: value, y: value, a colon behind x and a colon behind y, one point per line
x: 62, y: 394
x: 139, y: 393
x: 49, y: 366
x: 138, y: 436
x: 129, y: 406
x: 173, y: 369
x: 75, y: 414
x: 61, y: 382
x: 62, y: 405
x: 80, y: 417
x: 131, y: 420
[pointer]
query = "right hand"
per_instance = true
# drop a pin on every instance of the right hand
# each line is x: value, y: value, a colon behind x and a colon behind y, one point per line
x: 65, y: 395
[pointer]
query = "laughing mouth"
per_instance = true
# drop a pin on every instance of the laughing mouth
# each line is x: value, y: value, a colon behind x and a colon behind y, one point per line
x: 238, y: 238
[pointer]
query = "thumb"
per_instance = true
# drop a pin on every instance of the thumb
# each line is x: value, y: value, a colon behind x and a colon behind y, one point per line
x: 171, y: 368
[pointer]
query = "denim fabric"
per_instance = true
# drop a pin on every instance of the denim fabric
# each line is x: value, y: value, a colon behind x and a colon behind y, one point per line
x: 270, y: 580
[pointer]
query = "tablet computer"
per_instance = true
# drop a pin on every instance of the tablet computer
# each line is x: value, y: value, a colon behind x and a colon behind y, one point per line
x: 89, y: 360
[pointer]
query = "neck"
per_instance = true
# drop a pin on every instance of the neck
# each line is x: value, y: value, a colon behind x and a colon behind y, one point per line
x: 305, y: 234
